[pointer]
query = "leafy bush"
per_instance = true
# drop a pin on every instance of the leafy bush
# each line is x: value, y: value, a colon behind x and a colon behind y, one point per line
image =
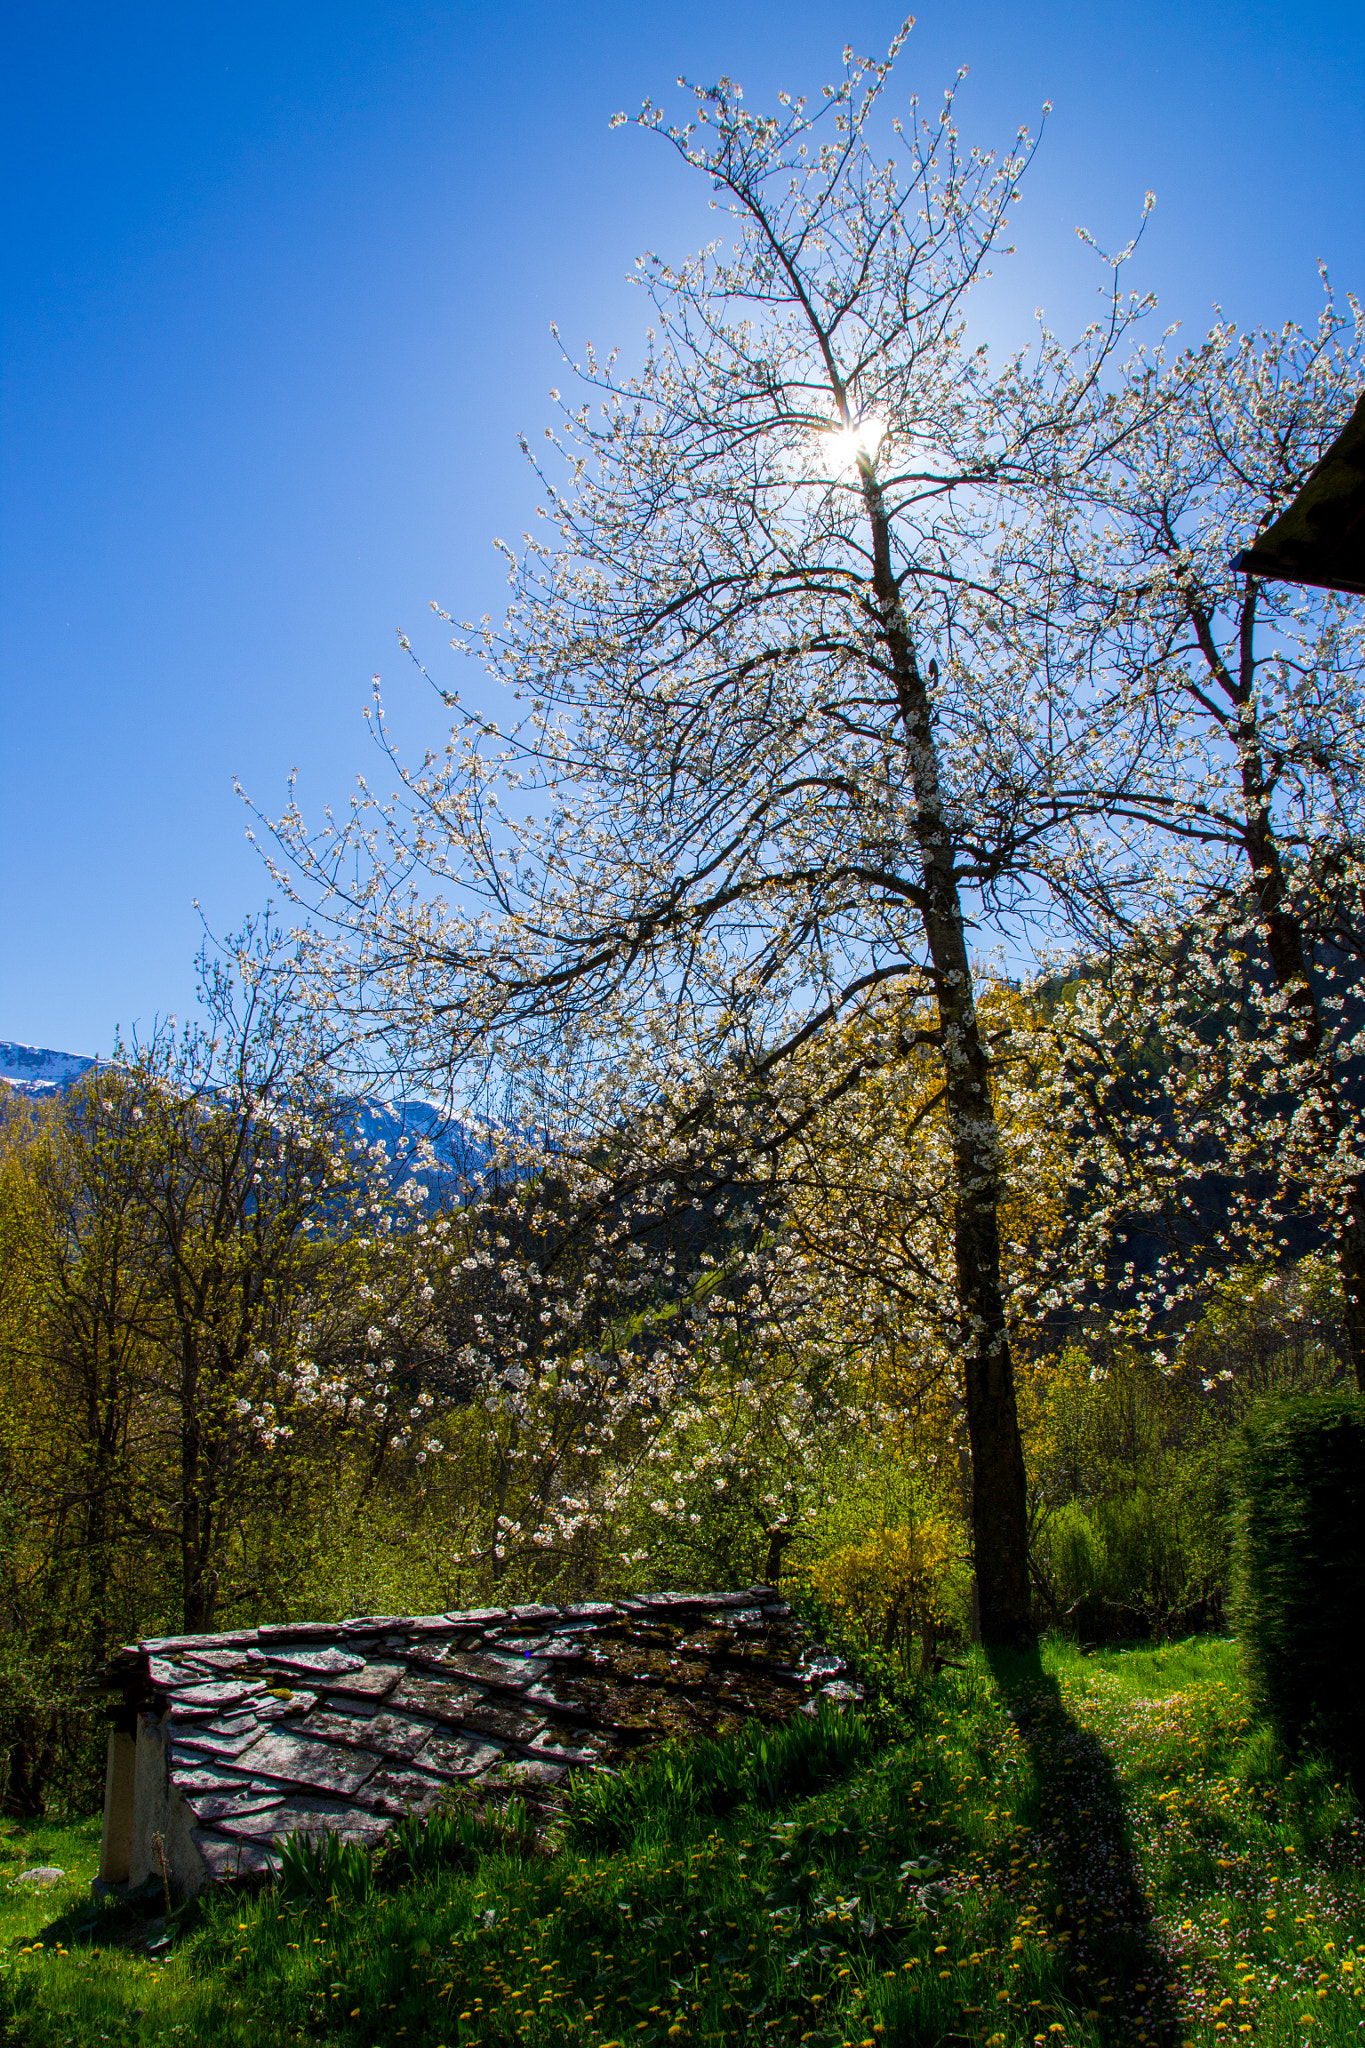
x: 900, y: 1583
x: 1300, y: 1568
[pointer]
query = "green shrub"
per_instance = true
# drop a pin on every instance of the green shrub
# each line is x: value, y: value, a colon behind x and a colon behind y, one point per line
x: 1299, y: 1537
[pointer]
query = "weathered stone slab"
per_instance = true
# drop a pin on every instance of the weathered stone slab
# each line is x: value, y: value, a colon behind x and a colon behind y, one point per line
x: 215, y: 1806
x: 300, y: 1815
x: 218, y: 1695
x: 226, y: 1858
x: 209, y: 1661
x: 392, y: 1735
x: 400, y: 1789
x: 372, y: 1681
x: 456, y: 1756
x: 503, y: 1721
x: 552, y: 1650
x: 527, y: 1771
x: 485, y: 1669
x: 478, y: 1617
x: 329, y: 1662
x: 219, y: 1739
x: 447, y: 1703
x: 273, y: 1707
x: 280, y: 1753
x: 164, y: 1673
x: 182, y: 1644
x: 555, y: 1696
x: 562, y: 1746
x: 194, y: 1777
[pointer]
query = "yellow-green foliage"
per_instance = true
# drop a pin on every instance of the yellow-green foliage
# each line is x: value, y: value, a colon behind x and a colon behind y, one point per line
x: 899, y: 1582
x: 891, y: 1553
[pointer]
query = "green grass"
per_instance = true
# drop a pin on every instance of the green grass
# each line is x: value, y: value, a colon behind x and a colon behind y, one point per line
x: 26, y: 1909
x: 1086, y: 1850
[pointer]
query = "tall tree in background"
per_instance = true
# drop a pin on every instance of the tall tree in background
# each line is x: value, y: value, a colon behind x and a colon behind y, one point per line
x: 779, y: 752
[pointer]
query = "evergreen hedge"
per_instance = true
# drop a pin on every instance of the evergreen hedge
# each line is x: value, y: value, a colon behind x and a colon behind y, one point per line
x: 1299, y: 1548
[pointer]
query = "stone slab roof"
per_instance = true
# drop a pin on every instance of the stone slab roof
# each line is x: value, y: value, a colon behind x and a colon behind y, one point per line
x: 1320, y: 537
x: 224, y: 1744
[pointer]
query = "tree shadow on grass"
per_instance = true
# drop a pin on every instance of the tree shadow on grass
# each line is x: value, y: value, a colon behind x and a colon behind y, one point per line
x: 1116, y: 1968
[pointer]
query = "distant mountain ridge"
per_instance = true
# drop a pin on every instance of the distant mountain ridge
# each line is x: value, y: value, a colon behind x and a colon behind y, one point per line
x: 38, y: 1072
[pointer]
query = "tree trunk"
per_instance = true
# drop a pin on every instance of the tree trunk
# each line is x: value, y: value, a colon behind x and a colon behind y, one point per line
x: 195, y: 1595
x: 999, y: 1503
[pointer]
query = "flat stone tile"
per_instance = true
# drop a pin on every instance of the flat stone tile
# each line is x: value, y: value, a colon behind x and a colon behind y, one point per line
x: 328, y: 1662
x: 477, y: 1617
x: 524, y: 1771
x: 214, y: 1806
x: 670, y: 1600
x: 562, y: 1746
x: 227, y: 1859
x: 392, y: 1735
x: 556, y: 1696
x: 371, y: 1681
x: 313, y: 1817
x: 456, y: 1756
x: 269, y: 1708
x: 426, y: 1696
x: 217, y: 1696
x: 399, y: 1789
x: 163, y: 1672
x: 280, y: 1753
x: 545, y: 1650
x: 209, y: 1661
x: 504, y: 1722
x: 214, y: 1738
x: 176, y: 1644
x: 192, y: 1776
x: 489, y: 1670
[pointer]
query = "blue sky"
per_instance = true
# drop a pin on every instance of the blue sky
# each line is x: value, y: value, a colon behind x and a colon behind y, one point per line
x: 277, y: 283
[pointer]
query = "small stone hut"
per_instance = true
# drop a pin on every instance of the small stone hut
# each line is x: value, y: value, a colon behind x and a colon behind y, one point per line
x: 223, y: 1745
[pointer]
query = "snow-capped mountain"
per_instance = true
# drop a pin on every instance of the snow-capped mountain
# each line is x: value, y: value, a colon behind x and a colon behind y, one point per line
x: 35, y: 1070
x: 39, y: 1073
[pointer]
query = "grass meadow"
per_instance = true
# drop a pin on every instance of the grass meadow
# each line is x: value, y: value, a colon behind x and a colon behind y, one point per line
x: 1077, y: 1849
